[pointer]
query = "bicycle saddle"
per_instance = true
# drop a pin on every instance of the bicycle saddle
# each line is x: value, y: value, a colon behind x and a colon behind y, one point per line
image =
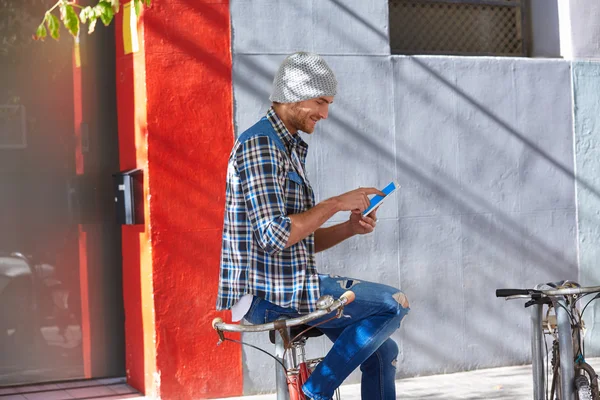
x: 295, y: 330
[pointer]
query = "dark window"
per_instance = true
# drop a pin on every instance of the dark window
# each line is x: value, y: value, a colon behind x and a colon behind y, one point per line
x: 462, y: 27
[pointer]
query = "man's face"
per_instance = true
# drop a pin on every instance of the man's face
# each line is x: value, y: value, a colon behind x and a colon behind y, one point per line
x: 304, y: 115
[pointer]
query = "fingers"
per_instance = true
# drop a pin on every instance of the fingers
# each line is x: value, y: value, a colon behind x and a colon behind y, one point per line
x: 373, y: 214
x: 371, y: 190
x: 371, y: 221
x: 355, y: 199
x: 368, y: 227
x: 366, y: 202
x: 366, y: 223
x: 358, y: 198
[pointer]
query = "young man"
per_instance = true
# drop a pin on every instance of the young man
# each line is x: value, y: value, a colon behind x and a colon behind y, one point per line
x: 272, y: 231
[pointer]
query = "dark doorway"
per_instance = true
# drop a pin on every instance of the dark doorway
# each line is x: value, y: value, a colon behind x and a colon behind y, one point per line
x: 61, y: 300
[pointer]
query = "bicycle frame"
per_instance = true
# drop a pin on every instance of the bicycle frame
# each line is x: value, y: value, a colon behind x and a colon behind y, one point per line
x: 565, y: 337
x: 289, y: 382
x: 295, y: 372
x: 562, y: 297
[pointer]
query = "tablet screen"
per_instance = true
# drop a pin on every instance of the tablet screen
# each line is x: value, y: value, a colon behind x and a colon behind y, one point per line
x: 376, y: 200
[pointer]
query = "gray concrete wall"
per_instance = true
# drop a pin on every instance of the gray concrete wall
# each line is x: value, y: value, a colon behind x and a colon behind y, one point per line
x: 565, y: 28
x: 483, y: 150
x: 585, y: 29
x: 586, y: 89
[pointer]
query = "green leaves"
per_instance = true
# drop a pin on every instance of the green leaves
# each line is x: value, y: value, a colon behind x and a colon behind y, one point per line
x: 40, y: 33
x: 69, y: 18
x: 53, y: 25
x: 115, y: 5
x: 87, y: 13
x: 105, y: 10
x: 92, y: 26
x: 138, y: 5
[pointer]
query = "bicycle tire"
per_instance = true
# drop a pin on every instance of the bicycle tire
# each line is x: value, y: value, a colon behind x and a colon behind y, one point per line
x: 556, y: 388
x: 584, y: 390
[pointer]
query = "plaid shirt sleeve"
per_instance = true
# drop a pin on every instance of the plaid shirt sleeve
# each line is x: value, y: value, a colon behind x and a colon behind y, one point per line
x: 261, y: 168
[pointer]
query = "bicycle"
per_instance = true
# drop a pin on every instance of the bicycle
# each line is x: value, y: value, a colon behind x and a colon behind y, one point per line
x: 290, y: 342
x: 572, y: 376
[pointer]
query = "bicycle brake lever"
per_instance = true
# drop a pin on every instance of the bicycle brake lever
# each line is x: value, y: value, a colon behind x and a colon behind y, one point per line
x: 536, y: 299
x: 531, y: 303
x: 221, y: 337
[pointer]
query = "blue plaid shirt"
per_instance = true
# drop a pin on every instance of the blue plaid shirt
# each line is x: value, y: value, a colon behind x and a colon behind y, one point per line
x: 265, y: 184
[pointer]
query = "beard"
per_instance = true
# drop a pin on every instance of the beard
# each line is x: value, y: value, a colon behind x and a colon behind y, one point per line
x: 301, y: 119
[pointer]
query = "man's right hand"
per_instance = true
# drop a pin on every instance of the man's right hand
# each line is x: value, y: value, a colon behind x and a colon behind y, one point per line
x: 356, y: 199
x: 303, y: 224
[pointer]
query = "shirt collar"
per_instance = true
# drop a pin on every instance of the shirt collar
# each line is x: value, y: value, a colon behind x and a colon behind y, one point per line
x: 283, y: 132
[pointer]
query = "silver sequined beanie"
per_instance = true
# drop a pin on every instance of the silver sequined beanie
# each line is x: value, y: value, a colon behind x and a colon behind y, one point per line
x: 303, y: 76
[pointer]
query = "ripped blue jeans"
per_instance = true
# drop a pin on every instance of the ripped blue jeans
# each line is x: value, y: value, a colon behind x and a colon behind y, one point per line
x: 360, y: 338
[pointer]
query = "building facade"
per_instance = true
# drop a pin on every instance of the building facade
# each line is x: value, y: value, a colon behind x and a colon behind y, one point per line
x: 496, y: 156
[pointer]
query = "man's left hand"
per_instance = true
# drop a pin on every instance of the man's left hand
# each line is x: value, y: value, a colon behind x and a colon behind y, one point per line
x: 360, y: 225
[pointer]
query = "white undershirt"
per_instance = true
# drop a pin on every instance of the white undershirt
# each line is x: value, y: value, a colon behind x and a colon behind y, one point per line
x: 240, y: 308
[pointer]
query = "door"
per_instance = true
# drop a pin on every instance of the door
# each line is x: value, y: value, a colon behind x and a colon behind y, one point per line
x: 60, y: 258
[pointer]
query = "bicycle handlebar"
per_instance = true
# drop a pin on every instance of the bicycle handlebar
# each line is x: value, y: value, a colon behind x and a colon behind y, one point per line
x: 346, y: 298
x: 546, y: 292
x: 514, y: 292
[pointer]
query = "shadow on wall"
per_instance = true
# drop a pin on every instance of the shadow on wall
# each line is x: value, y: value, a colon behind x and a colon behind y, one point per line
x: 360, y: 20
x: 487, y: 113
x: 459, y: 239
x: 188, y: 86
x: 181, y: 159
x: 478, y: 238
x: 464, y: 200
x: 443, y: 188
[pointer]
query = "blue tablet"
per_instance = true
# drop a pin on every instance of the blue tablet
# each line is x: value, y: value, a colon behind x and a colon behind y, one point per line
x: 376, y: 200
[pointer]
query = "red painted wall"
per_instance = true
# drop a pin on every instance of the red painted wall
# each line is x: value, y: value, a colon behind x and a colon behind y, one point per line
x: 140, y: 351
x: 175, y: 97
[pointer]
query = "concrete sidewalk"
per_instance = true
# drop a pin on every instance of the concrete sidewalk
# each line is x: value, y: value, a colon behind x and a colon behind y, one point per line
x: 507, y: 383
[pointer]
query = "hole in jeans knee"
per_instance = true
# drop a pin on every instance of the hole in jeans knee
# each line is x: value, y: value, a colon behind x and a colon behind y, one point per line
x: 401, y: 299
x: 348, y: 283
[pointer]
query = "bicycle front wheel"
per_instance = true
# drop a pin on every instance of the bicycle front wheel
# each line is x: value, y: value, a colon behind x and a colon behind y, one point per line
x: 584, y: 390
